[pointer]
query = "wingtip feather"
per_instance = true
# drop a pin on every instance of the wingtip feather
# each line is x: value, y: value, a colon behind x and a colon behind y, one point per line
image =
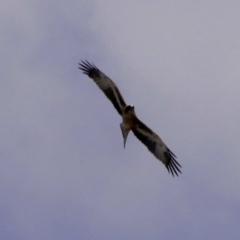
x: 87, y: 67
x: 172, y: 165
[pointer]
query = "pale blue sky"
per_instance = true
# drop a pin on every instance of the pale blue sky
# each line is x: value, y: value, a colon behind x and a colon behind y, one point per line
x: 64, y: 173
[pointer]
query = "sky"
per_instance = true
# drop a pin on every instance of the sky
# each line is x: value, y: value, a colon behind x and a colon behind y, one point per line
x: 64, y: 173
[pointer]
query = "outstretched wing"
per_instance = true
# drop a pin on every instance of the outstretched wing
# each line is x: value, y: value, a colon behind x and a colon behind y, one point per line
x: 156, y: 146
x: 105, y: 84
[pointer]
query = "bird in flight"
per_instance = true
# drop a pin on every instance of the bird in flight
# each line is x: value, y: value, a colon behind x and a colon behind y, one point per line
x: 130, y: 120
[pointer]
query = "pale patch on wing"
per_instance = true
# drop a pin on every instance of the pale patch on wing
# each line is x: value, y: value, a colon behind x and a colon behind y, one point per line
x: 156, y: 146
x: 105, y: 84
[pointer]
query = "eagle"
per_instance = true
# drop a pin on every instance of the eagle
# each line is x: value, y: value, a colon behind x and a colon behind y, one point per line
x: 130, y: 121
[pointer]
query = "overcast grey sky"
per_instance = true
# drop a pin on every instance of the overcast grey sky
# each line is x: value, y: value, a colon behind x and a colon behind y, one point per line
x: 64, y: 173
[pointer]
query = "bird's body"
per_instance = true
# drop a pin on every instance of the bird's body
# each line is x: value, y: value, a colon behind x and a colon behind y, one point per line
x: 129, y: 116
x: 130, y: 121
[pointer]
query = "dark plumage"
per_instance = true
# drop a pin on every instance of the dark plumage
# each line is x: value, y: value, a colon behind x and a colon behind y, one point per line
x: 130, y: 121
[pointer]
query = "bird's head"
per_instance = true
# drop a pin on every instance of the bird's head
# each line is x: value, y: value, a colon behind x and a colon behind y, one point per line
x: 129, y: 109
